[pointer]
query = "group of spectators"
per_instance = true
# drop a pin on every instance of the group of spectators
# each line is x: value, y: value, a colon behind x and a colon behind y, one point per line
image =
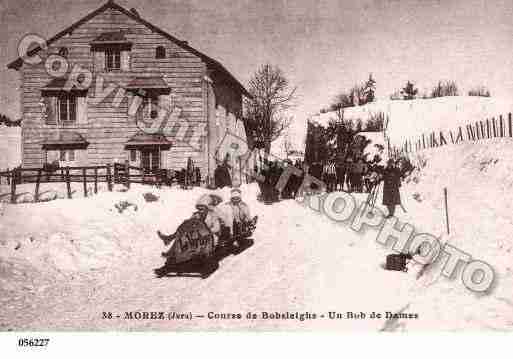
x: 351, y: 174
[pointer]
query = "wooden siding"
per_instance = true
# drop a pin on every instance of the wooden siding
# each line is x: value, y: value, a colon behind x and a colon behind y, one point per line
x: 107, y: 128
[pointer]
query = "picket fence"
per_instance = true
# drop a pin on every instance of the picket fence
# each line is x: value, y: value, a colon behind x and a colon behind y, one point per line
x: 500, y: 126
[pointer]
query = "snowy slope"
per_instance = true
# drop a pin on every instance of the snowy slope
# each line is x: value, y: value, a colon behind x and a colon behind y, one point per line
x: 480, y: 195
x: 74, y: 259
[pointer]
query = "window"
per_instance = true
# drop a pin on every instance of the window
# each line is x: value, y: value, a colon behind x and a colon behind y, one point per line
x: 67, y: 107
x: 133, y: 155
x: 65, y: 155
x: 151, y: 108
x: 150, y: 160
x: 160, y: 53
x: 112, y: 60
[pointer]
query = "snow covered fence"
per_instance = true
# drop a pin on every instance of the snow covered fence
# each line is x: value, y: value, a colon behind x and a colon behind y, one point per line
x: 501, y: 126
x: 110, y: 174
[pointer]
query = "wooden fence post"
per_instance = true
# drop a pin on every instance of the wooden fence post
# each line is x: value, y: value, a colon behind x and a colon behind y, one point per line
x: 109, y: 177
x: 446, y: 211
x: 423, y: 142
x: 14, y: 179
x: 460, y: 135
x: 84, y: 181
x: 494, y: 127
x: 452, y: 137
x: 478, y: 136
x: 115, y: 171
x: 501, y: 126
x: 442, y: 139
x: 95, y: 180
x: 470, y: 135
x: 435, y: 142
x: 487, y: 128
x: 510, y: 125
x: 68, y: 182
x: 38, y: 181
x: 127, y: 173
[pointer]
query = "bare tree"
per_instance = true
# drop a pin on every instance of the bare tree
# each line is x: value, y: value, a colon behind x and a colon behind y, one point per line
x: 271, y: 97
x: 445, y: 88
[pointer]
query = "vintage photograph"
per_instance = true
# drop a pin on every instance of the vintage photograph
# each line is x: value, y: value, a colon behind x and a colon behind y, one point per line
x: 251, y: 166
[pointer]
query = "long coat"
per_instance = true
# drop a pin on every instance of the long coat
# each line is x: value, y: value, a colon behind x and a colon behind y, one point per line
x: 222, y: 176
x: 391, y: 184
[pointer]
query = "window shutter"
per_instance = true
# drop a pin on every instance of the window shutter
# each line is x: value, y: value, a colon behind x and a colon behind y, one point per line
x: 140, y: 110
x: 50, y: 114
x: 125, y: 60
x: 164, y: 104
x: 82, y: 110
x: 99, y: 61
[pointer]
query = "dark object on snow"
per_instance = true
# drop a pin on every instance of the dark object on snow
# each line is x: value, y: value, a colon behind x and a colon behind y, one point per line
x: 398, y: 262
x: 150, y: 197
x: 123, y: 205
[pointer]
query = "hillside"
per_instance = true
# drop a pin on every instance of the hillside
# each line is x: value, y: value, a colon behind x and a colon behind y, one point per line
x: 408, y: 119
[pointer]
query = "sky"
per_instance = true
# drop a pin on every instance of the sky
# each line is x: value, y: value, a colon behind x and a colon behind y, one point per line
x: 324, y: 47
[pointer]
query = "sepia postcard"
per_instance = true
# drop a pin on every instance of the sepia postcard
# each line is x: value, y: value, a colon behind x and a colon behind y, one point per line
x: 255, y: 166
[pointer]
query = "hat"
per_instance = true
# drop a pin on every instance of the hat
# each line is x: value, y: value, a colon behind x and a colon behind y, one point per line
x: 204, y: 200
x: 235, y: 193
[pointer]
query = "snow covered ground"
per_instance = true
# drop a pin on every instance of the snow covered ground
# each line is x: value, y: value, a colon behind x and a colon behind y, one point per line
x: 65, y: 262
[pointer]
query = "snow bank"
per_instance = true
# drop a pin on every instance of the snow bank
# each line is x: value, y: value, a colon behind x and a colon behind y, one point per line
x: 90, y: 234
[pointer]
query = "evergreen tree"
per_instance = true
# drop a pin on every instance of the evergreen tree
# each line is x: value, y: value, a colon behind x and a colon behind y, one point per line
x: 409, y: 92
x: 370, y: 89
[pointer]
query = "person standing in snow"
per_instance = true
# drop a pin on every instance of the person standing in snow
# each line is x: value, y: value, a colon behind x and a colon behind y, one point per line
x: 391, y: 184
x: 238, y: 210
x: 222, y: 176
x: 331, y: 177
x: 341, y: 173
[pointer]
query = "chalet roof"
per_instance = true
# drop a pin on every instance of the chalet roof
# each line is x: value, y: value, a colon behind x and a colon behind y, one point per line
x: 59, y: 84
x: 142, y: 138
x: 155, y: 83
x: 211, y: 63
x: 64, y: 138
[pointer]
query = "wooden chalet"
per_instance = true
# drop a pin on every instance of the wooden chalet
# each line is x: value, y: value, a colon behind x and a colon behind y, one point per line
x: 129, y: 59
